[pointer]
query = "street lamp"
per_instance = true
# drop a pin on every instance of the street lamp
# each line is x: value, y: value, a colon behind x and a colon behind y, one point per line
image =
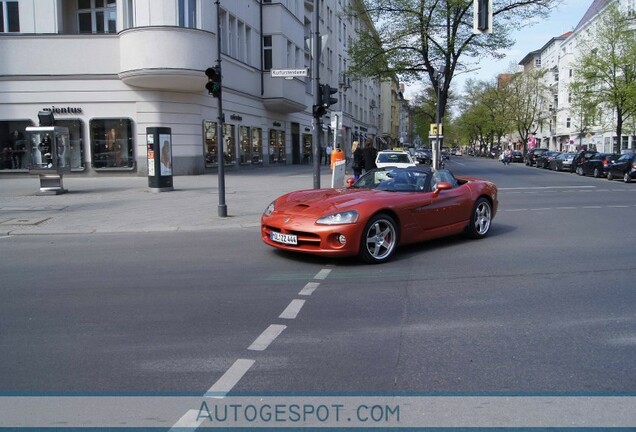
x: 439, y: 77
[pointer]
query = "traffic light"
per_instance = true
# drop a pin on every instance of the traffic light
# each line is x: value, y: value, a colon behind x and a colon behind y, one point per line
x: 325, y: 96
x: 482, y: 16
x: 213, y: 86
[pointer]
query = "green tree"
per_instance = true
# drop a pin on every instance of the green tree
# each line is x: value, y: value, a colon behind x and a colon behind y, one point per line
x: 527, y: 102
x: 415, y: 39
x: 605, y: 73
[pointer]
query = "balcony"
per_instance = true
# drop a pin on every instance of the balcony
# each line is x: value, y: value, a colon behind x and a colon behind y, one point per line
x: 284, y: 95
x: 176, y: 64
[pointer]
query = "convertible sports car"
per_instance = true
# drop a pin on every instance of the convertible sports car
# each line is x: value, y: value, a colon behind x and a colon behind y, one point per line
x: 385, y: 208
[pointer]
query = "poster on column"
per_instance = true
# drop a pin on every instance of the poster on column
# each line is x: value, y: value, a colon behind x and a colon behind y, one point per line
x: 166, y: 154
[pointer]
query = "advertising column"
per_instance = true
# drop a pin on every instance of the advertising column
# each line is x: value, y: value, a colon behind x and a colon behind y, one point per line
x: 159, y: 147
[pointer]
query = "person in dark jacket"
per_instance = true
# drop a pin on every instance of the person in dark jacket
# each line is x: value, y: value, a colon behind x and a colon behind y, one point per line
x: 358, y: 160
x: 369, y: 154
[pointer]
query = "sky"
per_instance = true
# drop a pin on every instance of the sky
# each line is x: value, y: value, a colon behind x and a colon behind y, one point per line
x: 532, y: 37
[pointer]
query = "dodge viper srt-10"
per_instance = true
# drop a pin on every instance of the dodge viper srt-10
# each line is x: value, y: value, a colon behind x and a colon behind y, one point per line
x: 385, y: 208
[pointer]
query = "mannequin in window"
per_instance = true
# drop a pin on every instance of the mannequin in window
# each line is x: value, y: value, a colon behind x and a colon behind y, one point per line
x: 113, y: 145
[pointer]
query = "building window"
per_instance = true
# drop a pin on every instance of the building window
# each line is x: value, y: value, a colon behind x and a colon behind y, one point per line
x: 267, y: 53
x: 112, y: 143
x: 537, y: 62
x: 97, y: 16
x: 210, y: 143
x: 568, y: 122
x: 75, y: 132
x: 9, y: 17
x: 129, y: 14
x: 188, y: 13
x: 250, y: 145
x: 277, y: 146
x: 13, y: 151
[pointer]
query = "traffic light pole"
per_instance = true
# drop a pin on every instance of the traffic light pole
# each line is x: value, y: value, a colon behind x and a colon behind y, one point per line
x: 222, y: 207
x: 316, y: 76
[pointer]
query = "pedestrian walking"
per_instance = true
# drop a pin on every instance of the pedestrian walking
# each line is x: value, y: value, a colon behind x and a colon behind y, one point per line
x: 358, y: 160
x: 369, y: 154
x: 328, y: 152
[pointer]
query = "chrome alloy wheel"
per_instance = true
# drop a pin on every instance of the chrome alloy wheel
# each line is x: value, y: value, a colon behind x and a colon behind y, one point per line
x: 379, y: 239
x: 482, y: 217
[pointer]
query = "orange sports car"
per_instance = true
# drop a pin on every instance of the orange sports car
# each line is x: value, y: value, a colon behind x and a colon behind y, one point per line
x: 385, y: 208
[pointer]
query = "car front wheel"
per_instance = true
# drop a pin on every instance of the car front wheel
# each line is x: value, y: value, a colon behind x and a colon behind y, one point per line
x: 379, y: 239
x: 480, y: 220
x: 627, y: 178
x: 610, y: 176
x: 597, y: 173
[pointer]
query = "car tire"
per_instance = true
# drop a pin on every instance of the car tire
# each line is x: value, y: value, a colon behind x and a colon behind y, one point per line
x: 597, y: 173
x: 379, y: 239
x: 627, y: 178
x: 579, y: 171
x: 480, y: 219
x: 610, y: 176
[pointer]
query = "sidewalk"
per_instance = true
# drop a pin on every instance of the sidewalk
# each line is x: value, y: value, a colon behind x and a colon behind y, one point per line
x: 115, y: 204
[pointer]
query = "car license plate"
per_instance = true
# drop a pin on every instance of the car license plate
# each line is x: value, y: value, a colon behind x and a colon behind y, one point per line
x: 290, y: 239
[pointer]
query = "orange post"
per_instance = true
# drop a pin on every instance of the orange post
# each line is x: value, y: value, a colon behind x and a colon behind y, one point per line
x: 336, y: 155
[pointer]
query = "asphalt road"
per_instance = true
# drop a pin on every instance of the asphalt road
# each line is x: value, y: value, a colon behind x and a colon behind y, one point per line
x: 544, y: 304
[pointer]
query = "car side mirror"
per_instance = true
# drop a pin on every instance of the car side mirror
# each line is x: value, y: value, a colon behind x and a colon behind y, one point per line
x: 350, y: 181
x: 442, y: 186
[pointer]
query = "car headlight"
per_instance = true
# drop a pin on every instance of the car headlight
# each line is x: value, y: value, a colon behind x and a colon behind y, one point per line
x: 341, y: 218
x: 270, y: 209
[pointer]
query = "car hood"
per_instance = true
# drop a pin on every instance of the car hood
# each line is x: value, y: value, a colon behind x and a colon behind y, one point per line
x: 325, y: 201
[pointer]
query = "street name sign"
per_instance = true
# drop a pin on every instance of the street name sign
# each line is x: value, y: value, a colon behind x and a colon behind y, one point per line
x: 288, y: 73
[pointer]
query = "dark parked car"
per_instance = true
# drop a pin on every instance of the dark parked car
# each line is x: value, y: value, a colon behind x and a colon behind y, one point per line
x: 423, y: 156
x: 517, y: 156
x: 543, y: 160
x: 597, y: 165
x: 562, y: 162
x: 624, y: 167
x: 580, y: 157
x: 532, y: 155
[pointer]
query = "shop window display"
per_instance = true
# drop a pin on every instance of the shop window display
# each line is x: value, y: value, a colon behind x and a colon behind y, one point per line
x: 13, y: 154
x: 277, y: 146
x: 75, y: 131
x: 257, y: 145
x: 112, y: 143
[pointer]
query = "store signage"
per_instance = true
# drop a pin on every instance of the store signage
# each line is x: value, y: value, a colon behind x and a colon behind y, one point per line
x: 236, y: 117
x: 63, y: 110
x: 277, y: 124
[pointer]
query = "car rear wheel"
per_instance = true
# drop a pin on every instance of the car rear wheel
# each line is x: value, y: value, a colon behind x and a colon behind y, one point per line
x: 610, y: 176
x: 579, y: 171
x: 627, y: 178
x: 597, y: 173
x: 480, y: 220
x: 379, y: 239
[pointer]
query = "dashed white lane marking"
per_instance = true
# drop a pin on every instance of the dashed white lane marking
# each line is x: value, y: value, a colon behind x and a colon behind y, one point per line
x: 291, y: 311
x: 229, y: 379
x: 322, y: 274
x: 309, y: 289
x: 267, y: 337
x: 547, y: 187
x: 188, y: 421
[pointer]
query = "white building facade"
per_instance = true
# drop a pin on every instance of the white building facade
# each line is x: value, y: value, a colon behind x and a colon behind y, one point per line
x: 110, y: 69
x: 563, y: 131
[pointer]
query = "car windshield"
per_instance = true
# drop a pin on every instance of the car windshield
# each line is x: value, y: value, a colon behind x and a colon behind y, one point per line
x: 393, y: 158
x: 393, y: 180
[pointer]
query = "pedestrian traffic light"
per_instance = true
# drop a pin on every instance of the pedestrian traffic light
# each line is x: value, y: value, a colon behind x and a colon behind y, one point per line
x: 325, y: 96
x: 213, y: 86
x: 482, y: 16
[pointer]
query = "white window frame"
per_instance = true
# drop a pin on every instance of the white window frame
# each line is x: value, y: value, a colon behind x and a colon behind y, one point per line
x: 187, y: 12
x: 5, y: 16
x: 93, y: 10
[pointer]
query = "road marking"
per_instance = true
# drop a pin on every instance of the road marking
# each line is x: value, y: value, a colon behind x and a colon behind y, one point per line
x: 267, y: 337
x: 549, y: 187
x: 230, y: 378
x: 309, y: 288
x: 291, y: 311
x: 188, y: 421
x: 322, y: 274
x: 566, y: 208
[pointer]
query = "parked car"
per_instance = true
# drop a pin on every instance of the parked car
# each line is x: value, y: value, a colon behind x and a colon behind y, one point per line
x: 580, y: 157
x: 532, y: 155
x: 423, y: 156
x: 384, y: 209
x: 517, y: 156
x: 597, y: 165
x: 394, y: 158
x: 543, y: 160
x: 624, y: 167
x: 562, y: 162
